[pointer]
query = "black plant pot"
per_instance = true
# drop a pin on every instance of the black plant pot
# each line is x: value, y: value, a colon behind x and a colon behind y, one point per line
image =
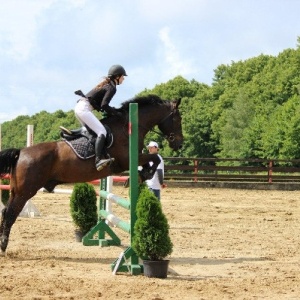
x: 156, y: 268
x: 78, y: 235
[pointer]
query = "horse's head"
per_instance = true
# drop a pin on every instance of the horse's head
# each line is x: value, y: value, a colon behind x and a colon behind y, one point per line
x: 165, y: 114
x: 170, y: 126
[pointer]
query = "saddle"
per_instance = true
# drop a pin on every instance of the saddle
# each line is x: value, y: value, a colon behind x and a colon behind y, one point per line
x: 82, y: 141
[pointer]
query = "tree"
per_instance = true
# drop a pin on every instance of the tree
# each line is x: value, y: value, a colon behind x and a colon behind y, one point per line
x: 237, y: 120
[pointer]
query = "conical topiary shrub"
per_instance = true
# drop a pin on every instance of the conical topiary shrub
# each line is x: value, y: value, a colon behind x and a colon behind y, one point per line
x: 83, y: 207
x: 151, y: 239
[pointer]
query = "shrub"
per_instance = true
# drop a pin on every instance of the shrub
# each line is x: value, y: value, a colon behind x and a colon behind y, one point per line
x: 151, y: 238
x: 83, y: 206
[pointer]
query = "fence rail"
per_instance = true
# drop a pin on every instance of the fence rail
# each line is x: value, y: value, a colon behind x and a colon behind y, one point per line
x: 227, y: 169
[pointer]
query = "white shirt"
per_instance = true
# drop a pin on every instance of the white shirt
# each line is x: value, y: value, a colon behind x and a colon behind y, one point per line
x: 153, y: 183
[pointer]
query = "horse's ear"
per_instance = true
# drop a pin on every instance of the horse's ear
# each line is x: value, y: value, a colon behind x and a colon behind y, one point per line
x: 178, y: 103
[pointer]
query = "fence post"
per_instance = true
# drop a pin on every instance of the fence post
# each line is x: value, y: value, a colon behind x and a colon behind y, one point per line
x: 270, y: 171
x: 196, y: 164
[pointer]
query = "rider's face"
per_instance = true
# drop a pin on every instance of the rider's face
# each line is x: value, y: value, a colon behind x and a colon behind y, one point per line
x: 121, y: 79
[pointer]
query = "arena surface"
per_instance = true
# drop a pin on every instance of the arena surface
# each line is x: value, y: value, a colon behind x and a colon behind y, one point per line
x: 228, y: 244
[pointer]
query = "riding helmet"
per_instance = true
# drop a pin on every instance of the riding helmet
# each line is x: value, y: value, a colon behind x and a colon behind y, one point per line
x: 116, y: 70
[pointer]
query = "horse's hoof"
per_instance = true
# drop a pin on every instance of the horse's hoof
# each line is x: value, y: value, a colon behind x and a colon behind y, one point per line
x: 2, y: 253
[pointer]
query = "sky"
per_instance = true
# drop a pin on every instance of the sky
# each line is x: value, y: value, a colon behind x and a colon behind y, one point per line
x: 50, y: 48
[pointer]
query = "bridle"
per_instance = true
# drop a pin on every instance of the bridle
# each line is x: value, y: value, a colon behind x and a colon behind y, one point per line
x: 171, y: 136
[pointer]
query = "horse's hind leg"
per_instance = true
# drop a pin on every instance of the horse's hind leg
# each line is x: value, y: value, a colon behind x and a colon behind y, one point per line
x: 3, y: 240
x: 9, y: 216
x: 2, y: 222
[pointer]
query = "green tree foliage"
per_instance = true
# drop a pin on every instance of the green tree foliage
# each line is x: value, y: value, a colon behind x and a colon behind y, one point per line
x: 197, y: 120
x: 233, y: 141
x: 46, y: 128
x: 268, y: 84
x: 281, y: 137
x: 174, y: 89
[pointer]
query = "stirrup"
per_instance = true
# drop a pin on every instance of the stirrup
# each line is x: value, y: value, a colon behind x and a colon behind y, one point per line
x: 66, y: 130
x: 103, y: 163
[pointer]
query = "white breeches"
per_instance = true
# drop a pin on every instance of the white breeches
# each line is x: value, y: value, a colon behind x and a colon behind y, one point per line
x: 83, y: 112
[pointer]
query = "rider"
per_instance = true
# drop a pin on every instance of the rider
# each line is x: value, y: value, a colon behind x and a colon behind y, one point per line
x: 99, y: 98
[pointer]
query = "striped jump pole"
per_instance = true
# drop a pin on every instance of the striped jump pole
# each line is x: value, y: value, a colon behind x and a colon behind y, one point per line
x: 128, y: 260
x: 115, y: 199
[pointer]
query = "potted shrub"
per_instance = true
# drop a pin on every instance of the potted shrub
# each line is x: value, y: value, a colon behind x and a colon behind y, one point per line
x: 83, y: 207
x: 151, y: 240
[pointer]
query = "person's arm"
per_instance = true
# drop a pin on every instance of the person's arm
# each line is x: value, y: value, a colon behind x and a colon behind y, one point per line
x: 160, y: 172
x: 110, y: 110
x: 160, y: 176
x: 106, y: 100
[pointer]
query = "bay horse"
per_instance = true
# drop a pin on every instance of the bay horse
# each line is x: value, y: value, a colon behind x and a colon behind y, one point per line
x: 51, y: 163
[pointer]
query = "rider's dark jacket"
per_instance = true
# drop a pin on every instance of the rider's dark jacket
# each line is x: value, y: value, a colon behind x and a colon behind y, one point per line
x: 100, y: 98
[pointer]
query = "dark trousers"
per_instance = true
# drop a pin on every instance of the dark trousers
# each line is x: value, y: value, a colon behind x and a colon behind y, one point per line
x: 156, y: 193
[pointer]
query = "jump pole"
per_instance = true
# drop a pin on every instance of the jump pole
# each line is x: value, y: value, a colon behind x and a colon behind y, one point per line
x: 128, y: 261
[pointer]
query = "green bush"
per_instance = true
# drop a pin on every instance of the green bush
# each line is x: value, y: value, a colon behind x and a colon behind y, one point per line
x: 5, y: 193
x: 151, y: 238
x: 83, y: 206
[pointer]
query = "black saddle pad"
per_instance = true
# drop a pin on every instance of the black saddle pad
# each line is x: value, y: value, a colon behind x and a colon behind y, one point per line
x: 82, y: 147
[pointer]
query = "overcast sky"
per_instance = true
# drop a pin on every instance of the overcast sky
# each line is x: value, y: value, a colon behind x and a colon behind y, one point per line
x: 50, y: 48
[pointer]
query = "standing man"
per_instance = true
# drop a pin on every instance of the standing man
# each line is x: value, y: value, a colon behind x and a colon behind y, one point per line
x: 157, y: 181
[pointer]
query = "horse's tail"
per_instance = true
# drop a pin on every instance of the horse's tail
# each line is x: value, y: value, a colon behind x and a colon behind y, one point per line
x: 8, y: 160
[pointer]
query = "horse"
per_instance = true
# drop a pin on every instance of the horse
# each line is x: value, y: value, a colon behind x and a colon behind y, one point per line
x: 48, y: 164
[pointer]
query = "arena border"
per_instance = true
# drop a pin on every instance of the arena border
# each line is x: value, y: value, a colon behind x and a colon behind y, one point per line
x: 280, y: 186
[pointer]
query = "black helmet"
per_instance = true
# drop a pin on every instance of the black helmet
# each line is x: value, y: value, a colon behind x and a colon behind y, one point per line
x: 116, y: 70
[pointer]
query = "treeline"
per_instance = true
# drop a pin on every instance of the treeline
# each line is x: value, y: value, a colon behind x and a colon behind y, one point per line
x: 251, y: 110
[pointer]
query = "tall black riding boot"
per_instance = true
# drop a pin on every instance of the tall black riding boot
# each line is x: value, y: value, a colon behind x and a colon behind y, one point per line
x: 100, y: 163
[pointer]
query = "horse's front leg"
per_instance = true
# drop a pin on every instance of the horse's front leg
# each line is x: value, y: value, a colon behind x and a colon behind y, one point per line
x: 149, y: 163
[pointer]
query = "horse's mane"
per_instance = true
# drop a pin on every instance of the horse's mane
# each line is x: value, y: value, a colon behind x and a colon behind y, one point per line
x: 143, y: 101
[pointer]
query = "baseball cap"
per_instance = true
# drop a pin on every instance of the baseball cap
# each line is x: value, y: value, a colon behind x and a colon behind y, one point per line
x: 152, y: 144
